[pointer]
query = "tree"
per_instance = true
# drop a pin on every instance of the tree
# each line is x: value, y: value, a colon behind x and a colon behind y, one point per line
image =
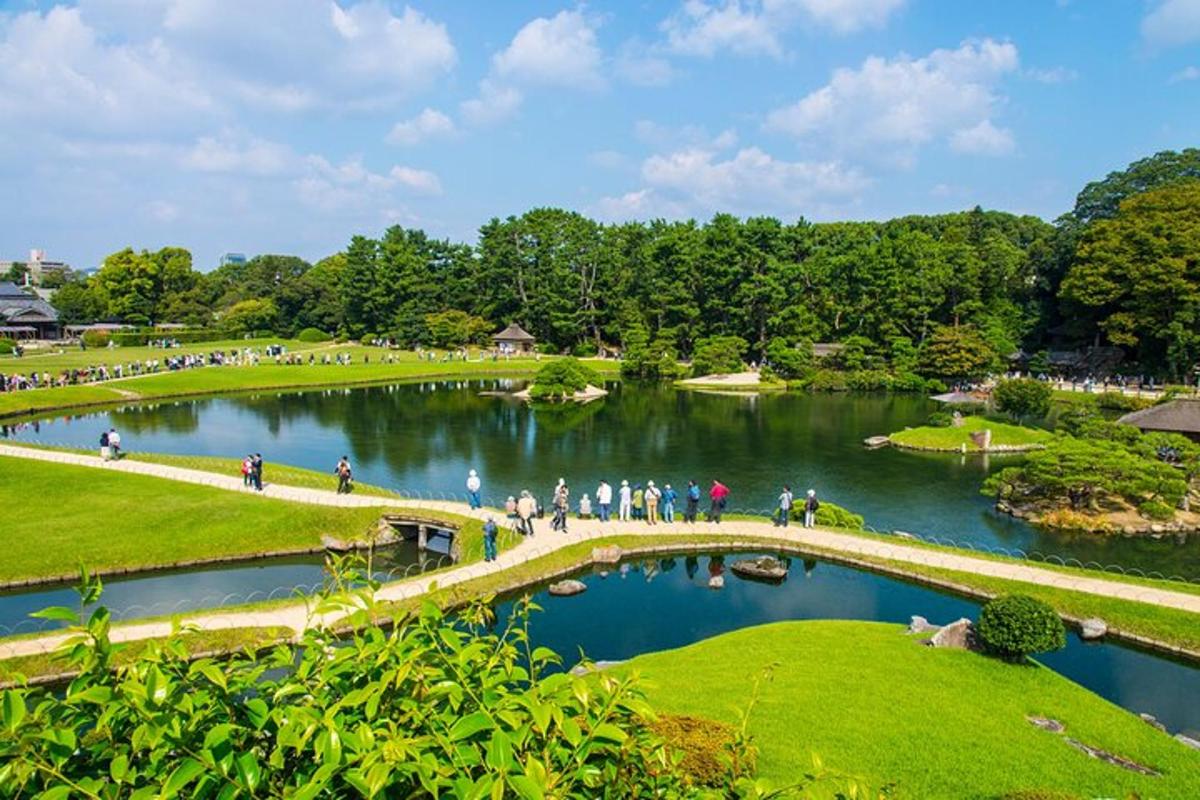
x: 1101, y: 199
x: 957, y: 353
x: 790, y: 361
x: 562, y: 378
x: 77, y: 302
x: 1137, y: 273
x: 249, y: 316
x: 455, y: 328
x: 1023, y: 397
x: 718, y: 355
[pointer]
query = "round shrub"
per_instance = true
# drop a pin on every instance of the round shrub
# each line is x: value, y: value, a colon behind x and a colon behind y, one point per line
x: 834, y: 516
x: 1023, y: 397
x: 7, y: 346
x: 1157, y: 510
x: 95, y: 338
x: 1015, y: 626
x: 585, y: 349
x: 706, y: 747
x: 313, y: 335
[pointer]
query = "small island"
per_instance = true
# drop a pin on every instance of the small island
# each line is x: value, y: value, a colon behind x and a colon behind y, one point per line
x: 970, y: 434
x: 565, y: 380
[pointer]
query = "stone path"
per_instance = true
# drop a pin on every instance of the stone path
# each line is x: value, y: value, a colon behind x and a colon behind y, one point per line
x: 296, y: 616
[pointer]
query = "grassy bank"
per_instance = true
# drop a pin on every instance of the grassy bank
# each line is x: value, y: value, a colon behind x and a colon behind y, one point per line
x: 1004, y: 435
x: 872, y: 702
x: 266, y: 376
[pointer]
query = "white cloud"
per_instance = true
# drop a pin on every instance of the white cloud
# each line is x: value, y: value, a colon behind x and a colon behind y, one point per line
x: 556, y: 51
x: 640, y: 67
x: 162, y: 211
x: 419, y: 180
x: 984, y: 139
x: 494, y: 103
x: 1052, y: 75
x: 700, y: 181
x: 350, y: 186
x: 238, y: 155
x: 668, y: 137
x: 1186, y: 74
x: 1172, y: 23
x: 753, y: 27
x: 426, y: 125
x: 890, y: 108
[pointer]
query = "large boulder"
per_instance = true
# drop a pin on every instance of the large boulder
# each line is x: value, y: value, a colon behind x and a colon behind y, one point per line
x: 1093, y: 628
x: 959, y: 635
x: 763, y: 568
x: 609, y: 554
x: 567, y: 588
x: 921, y: 625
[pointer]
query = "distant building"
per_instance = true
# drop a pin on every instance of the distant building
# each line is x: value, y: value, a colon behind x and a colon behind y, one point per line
x: 514, y: 339
x: 1176, y: 416
x: 233, y: 259
x: 24, y: 315
x: 37, y: 268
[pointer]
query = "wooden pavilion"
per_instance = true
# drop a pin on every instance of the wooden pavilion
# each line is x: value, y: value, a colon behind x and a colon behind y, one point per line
x: 514, y: 339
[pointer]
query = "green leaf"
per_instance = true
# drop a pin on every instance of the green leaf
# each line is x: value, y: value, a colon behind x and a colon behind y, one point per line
x: 13, y: 709
x: 57, y: 613
x: 248, y: 771
x: 526, y: 787
x: 118, y: 768
x: 469, y: 725
x: 257, y: 711
x: 59, y: 792
x: 500, y: 751
x: 181, y: 776
x: 609, y: 732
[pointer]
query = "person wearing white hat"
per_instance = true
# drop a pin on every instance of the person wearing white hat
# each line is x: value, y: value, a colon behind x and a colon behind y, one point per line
x: 603, y: 500
x: 473, y: 487
x: 652, y: 496
x: 626, y: 502
x: 811, y: 505
x: 561, y: 504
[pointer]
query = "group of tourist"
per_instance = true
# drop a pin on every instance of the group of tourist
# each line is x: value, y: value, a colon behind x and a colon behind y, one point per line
x: 110, y: 445
x: 252, y: 471
x: 98, y: 373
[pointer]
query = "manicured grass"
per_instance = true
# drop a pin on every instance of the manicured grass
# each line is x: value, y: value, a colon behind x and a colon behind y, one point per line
x: 61, y: 514
x: 267, y: 376
x: 928, y: 437
x: 874, y: 703
x: 55, y: 359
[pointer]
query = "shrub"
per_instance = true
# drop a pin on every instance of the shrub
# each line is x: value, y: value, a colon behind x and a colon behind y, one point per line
x: 825, y: 380
x: 1115, y: 401
x: 718, y: 355
x: 585, y: 349
x: 1156, y: 510
x: 456, y: 328
x: 830, y: 515
x: 705, y: 745
x: 313, y: 335
x: 1065, y: 519
x: 868, y: 380
x: 940, y: 419
x: 1016, y: 626
x: 367, y: 338
x: 789, y: 361
x: 7, y: 346
x: 430, y: 707
x: 562, y: 378
x: 1023, y: 397
x: 645, y: 359
x: 96, y: 338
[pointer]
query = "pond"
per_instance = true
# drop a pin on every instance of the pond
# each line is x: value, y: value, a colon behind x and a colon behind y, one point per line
x: 663, y: 603
x: 424, y: 437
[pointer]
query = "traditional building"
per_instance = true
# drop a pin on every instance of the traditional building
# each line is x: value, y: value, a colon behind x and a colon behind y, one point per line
x: 26, y: 316
x: 1176, y: 416
x: 514, y: 339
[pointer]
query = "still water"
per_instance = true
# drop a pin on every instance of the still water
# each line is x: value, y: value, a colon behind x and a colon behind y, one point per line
x: 424, y: 438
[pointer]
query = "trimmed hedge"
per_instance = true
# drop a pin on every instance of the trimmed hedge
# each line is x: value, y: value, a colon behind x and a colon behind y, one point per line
x: 313, y: 335
x: 1015, y: 626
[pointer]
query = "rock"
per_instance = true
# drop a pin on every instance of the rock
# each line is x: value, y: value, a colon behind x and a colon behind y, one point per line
x: 1093, y: 628
x: 921, y: 625
x: 1153, y: 722
x: 763, y: 568
x: 1047, y: 724
x: 716, y: 582
x: 1112, y: 758
x: 596, y: 666
x: 567, y: 588
x: 1188, y: 740
x: 335, y: 544
x: 875, y: 442
x: 610, y: 554
x: 982, y: 439
x: 959, y: 635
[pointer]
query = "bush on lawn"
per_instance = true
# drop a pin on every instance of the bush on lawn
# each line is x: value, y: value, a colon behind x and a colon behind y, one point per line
x: 706, y: 746
x: 7, y: 346
x: 1016, y: 626
x: 96, y: 338
x: 562, y: 378
x: 1023, y: 397
x: 313, y: 335
x: 830, y: 515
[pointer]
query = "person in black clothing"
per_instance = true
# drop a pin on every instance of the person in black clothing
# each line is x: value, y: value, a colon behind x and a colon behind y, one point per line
x: 256, y: 470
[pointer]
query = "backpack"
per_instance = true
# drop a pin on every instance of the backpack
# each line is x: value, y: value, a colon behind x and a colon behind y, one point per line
x: 104, y: 439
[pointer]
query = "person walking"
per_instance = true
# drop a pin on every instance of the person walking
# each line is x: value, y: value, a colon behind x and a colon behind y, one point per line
x: 256, y: 470
x: 785, y: 507
x: 668, y: 504
x: 626, y: 505
x: 114, y: 443
x: 105, y: 447
x: 811, y: 504
x: 717, y: 498
x: 525, y: 510
x: 247, y: 470
x: 603, y: 500
x: 693, y: 503
x: 473, y: 487
x: 652, y: 498
x: 639, y: 502
x: 489, y: 539
x: 561, y: 504
x: 342, y: 470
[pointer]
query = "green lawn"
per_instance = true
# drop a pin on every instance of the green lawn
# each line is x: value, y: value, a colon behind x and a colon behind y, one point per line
x: 873, y: 703
x: 56, y: 359
x: 928, y: 437
x: 63, y: 514
x: 266, y: 376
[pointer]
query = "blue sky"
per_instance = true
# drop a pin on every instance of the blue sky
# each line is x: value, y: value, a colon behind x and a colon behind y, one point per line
x: 290, y: 125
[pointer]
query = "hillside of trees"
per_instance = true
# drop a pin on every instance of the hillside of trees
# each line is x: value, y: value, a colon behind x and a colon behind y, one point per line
x: 1121, y: 269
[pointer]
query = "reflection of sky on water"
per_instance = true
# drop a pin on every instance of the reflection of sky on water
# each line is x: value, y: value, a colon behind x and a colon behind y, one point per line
x: 623, y: 616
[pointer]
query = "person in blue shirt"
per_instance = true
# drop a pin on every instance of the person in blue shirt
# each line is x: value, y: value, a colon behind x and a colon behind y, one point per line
x: 693, y: 502
x: 668, y: 504
x: 489, y: 539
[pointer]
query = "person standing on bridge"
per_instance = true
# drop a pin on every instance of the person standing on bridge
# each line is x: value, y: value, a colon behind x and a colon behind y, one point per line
x: 489, y: 539
x: 717, y: 496
x: 626, y: 502
x: 693, y: 503
x: 473, y: 487
x: 603, y: 500
x: 811, y: 504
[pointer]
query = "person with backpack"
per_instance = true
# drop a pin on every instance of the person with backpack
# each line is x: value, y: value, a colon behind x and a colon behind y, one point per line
x: 811, y: 504
x: 693, y: 503
x: 344, y: 475
x: 247, y: 469
x: 526, y: 508
x: 785, y: 507
x: 489, y: 539
x: 105, y: 450
x: 256, y: 471
x: 652, y: 497
x: 639, y: 502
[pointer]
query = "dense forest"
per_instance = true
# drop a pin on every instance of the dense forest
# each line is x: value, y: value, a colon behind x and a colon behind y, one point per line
x: 1122, y: 269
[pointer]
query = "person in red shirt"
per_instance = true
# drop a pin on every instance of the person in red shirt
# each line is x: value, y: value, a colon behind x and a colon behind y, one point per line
x: 717, y: 496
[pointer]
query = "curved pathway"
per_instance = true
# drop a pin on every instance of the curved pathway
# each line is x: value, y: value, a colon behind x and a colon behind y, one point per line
x: 297, y: 617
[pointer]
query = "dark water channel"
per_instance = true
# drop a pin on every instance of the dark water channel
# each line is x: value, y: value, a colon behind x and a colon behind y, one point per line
x: 424, y: 437
x: 663, y: 603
